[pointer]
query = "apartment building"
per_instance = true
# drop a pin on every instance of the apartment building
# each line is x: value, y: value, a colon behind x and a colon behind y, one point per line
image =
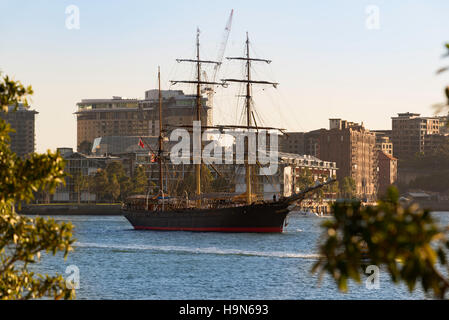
x: 409, y: 131
x: 353, y: 148
x: 22, y: 121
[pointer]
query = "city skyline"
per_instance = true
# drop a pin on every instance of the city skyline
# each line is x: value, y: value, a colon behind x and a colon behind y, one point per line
x: 328, y: 62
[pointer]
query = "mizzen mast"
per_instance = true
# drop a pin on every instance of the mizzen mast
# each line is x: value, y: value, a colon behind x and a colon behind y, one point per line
x: 249, y: 82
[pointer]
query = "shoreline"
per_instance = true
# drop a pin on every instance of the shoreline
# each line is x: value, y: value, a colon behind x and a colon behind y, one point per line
x: 114, y: 209
x: 83, y: 209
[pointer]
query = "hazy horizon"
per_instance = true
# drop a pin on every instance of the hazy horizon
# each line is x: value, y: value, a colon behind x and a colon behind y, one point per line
x: 328, y: 62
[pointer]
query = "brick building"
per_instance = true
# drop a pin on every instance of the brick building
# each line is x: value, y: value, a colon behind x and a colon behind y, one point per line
x: 388, y: 171
x: 292, y: 142
x: 384, y: 144
x: 353, y: 148
x: 301, y: 143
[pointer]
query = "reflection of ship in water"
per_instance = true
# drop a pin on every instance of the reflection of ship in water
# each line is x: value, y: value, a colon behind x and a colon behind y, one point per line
x: 219, y: 212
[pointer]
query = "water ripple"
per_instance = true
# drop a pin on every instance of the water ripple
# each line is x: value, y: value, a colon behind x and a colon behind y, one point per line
x: 208, y: 250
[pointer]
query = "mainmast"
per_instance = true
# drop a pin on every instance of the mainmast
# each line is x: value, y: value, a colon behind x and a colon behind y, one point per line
x: 248, y: 123
x: 161, y: 138
x: 248, y: 97
x: 198, y: 83
x: 198, y: 118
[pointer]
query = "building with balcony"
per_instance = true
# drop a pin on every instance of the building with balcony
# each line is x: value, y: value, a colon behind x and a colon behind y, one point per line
x: 133, y: 117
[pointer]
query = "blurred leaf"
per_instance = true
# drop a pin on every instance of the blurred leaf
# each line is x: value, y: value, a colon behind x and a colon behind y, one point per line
x: 441, y: 70
x: 19, y: 180
x: 406, y: 240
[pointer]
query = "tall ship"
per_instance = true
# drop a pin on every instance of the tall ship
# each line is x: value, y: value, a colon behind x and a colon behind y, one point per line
x: 223, y: 212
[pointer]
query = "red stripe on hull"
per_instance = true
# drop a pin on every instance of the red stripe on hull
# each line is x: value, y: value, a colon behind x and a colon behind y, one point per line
x: 244, y: 230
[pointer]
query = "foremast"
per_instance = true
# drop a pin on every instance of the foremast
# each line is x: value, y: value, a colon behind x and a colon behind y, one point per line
x: 198, y: 82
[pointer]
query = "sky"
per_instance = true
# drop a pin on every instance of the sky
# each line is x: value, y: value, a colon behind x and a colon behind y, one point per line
x: 333, y: 59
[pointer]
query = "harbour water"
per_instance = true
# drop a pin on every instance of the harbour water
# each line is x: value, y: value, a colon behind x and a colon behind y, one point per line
x: 117, y: 262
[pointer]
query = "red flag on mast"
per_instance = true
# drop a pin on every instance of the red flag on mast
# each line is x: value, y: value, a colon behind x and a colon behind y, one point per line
x: 141, y: 143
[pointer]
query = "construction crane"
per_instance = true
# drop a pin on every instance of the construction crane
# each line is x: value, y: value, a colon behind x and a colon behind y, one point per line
x: 210, y: 90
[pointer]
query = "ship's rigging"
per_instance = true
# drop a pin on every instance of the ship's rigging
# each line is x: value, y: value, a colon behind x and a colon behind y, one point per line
x: 249, y: 114
x: 223, y: 214
x: 251, y: 123
x: 198, y: 144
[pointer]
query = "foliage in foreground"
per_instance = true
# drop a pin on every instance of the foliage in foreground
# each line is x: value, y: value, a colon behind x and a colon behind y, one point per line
x: 21, y: 242
x: 22, y: 239
x: 405, y: 240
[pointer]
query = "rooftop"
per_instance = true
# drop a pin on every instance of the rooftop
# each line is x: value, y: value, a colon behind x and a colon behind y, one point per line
x: 118, y: 103
x: 20, y: 107
x: 114, y: 99
x: 410, y: 115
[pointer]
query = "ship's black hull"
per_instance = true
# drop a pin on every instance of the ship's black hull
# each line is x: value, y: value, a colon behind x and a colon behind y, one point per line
x: 267, y: 217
